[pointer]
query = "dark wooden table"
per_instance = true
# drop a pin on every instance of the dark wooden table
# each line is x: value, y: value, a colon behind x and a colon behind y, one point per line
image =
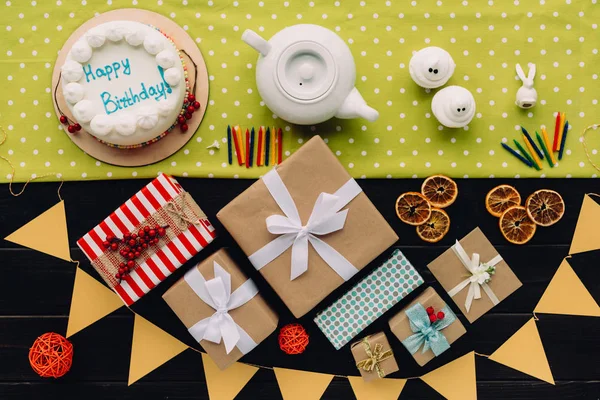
x: 35, y: 294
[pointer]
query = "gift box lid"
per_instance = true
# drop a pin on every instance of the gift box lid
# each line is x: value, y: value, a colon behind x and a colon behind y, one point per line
x: 132, y: 214
x: 310, y: 171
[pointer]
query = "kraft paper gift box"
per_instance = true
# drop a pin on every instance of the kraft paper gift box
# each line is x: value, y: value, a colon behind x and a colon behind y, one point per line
x: 162, y: 202
x: 303, y: 185
x: 374, y: 357
x: 216, y: 297
x: 415, y: 330
x: 492, y: 280
x: 368, y: 299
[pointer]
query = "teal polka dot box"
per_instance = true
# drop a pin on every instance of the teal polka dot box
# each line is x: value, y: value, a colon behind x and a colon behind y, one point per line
x: 368, y: 299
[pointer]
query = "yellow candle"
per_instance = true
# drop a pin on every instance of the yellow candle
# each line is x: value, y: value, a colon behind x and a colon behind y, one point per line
x: 547, y: 142
x: 534, y: 155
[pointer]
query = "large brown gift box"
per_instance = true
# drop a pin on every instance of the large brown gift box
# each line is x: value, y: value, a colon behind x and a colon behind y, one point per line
x: 400, y: 325
x: 380, y: 362
x: 311, y: 170
x: 450, y: 271
x: 255, y: 317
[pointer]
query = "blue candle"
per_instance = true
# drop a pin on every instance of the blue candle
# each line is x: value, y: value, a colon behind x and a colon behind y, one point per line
x: 532, y: 143
x: 514, y: 153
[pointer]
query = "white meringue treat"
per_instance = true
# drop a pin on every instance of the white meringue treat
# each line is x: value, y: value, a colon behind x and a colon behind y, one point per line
x: 431, y: 67
x: 453, y: 106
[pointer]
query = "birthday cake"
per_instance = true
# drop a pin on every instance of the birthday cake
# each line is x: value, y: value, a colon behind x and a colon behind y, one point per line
x: 125, y: 84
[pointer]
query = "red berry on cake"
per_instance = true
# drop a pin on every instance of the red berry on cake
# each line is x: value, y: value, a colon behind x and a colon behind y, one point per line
x: 188, y: 115
x: 63, y: 119
x: 191, y: 109
x: 184, y: 127
x: 197, y: 105
x: 77, y: 127
x: 191, y: 98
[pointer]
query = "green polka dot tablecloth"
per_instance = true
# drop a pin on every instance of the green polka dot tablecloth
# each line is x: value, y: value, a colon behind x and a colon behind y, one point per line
x: 485, y: 38
x: 368, y: 299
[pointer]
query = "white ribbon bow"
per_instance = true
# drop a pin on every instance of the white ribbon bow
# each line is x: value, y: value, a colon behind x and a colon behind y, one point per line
x: 217, y: 294
x: 477, y: 278
x: 325, y: 218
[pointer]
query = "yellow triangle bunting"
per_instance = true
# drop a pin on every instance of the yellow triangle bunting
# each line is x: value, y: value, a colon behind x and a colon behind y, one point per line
x: 301, y: 385
x: 226, y: 384
x: 46, y: 233
x: 524, y: 352
x: 586, y: 235
x: 455, y: 380
x: 567, y: 295
x: 380, y: 389
x: 151, y: 347
x: 91, y: 301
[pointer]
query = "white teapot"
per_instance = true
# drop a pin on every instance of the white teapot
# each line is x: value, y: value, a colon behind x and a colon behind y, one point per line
x: 305, y: 75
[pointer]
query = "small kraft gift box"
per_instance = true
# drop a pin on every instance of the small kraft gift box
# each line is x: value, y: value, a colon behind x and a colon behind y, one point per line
x: 368, y: 299
x: 374, y: 357
x: 147, y: 238
x: 222, y: 309
x: 474, y: 275
x: 307, y: 226
x: 427, y: 327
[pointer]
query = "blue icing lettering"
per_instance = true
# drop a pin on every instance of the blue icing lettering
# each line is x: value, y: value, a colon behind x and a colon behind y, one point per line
x: 162, y: 76
x: 110, y: 106
x: 109, y: 71
x: 113, y: 103
x: 88, y: 73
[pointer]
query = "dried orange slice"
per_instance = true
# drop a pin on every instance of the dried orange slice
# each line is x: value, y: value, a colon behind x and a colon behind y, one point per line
x: 501, y: 198
x: 440, y: 190
x: 545, y: 207
x: 516, y: 226
x: 436, y: 227
x: 413, y: 208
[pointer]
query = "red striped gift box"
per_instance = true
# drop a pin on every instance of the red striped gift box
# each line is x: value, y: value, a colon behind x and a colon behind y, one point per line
x: 170, y: 256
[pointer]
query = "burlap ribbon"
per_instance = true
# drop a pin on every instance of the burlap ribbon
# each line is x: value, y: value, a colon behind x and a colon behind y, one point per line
x: 178, y: 214
x: 374, y: 358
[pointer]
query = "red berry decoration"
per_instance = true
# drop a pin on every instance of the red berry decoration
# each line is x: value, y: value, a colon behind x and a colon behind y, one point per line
x: 188, y: 115
x: 71, y: 128
x: 132, y: 242
x: 146, y: 229
x: 130, y: 255
x: 144, y: 246
x: 197, y: 105
x: 293, y: 339
x: 141, y: 233
x: 184, y: 127
x: 191, y: 98
x: 133, y: 236
x: 432, y: 318
x: 110, y: 238
x: 190, y: 109
x: 118, y: 276
x: 130, y: 264
x: 106, y: 244
x: 152, y: 233
x: 181, y: 119
x: 430, y: 310
x: 114, y: 246
x: 162, y: 232
x: 440, y: 315
x: 77, y: 127
x: 137, y: 254
x: 63, y: 119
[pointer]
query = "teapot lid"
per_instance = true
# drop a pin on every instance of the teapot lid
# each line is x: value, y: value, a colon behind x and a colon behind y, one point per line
x: 306, y: 70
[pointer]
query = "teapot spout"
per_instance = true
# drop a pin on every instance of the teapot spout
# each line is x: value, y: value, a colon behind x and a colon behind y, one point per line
x: 255, y: 41
x: 355, y: 106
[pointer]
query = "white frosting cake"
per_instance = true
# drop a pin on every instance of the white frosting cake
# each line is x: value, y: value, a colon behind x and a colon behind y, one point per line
x: 124, y: 83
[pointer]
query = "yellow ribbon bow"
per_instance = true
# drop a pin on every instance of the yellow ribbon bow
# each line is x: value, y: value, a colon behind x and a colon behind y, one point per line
x: 375, y: 357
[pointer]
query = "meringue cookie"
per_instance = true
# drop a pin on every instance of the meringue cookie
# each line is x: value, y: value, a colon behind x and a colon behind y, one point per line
x: 431, y: 67
x: 453, y: 106
x: 165, y: 107
x: 135, y: 38
x: 95, y: 37
x: 83, y: 111
x: 114, y: 33
x: 81, y: 51
x: 173, y: 76
x: 73, y: 92
x: 147, y: 118
x: 101, y: 125
x: 125, y: 125
x: 165, y: 59
x: 71, y: 71
x: 153, y: 45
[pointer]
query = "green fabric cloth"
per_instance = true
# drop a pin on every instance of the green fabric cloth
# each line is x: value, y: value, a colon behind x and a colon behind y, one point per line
x: 486, y: 39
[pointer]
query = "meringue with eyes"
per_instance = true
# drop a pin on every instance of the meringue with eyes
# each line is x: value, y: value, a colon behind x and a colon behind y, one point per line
x: 431, y: 67
x: 453, y: 106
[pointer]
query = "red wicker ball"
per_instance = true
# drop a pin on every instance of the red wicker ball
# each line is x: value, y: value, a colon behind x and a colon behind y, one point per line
x: 51, y: 355
x: 293, y: 339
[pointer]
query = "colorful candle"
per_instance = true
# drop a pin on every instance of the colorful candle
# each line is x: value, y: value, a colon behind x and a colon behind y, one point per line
x: 267, y: 145
x: 533, y: 154
x: 547, y: 141
x: 532, y: 143
x: 229, y: 155
x: 560, y: 131
x: 252, y: 146
x: 525, y: 154
x: 247, y: 148
x: 241, y: 140
x: 236, y: 142
x: 274, y: 146
x: 556, y: 143
x: 259, y: 148
x: 279, y: 146
x: 544, y: 149
x: 517, y: 155
x: 563, y: 140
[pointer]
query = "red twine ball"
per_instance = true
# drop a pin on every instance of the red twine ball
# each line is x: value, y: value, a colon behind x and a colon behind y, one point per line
x: 293, y: 339
x: 51, y: 355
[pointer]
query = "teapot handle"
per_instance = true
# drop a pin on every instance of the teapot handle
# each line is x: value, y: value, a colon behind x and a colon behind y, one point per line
x: 256, y: 41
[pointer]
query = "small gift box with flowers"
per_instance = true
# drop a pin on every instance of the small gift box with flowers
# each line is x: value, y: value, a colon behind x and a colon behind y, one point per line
x: 427, y: 327
x: 147, y: 238
x: 474, y: 275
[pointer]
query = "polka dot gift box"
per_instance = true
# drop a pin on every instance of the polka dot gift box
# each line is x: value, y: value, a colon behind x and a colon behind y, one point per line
x: 368, y: 299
